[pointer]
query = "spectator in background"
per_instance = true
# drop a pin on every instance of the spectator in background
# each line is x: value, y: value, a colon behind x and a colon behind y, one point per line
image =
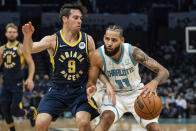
x: 45, y: 83
x: 181, y: 105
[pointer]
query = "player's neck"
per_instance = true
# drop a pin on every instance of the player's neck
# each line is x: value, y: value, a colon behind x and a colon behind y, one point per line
x: 11, y: 43
x: 70, y: 36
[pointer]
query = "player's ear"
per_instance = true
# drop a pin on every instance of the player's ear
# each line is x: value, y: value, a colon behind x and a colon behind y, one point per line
x: 64, y: 19
x: 122, y: 39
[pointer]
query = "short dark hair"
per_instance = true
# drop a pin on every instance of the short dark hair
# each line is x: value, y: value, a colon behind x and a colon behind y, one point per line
x: 66, y: 8
x: 116, y: 28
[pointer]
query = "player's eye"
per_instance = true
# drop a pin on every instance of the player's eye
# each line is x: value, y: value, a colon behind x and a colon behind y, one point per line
x: 114, y: 40
x: 107, y: 39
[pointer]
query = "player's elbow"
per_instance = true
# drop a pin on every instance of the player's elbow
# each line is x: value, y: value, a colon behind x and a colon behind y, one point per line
x: 166, y: 73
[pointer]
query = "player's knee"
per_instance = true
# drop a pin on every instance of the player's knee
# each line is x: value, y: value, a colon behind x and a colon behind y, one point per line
x: 83, y: 123
x: 39, y: 125
x: 153, y: 127
x: 42, y: 123
x: 108, y: 117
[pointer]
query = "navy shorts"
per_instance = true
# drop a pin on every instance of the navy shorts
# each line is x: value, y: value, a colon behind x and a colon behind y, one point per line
x: 57, y: 100
x: 11, y: 92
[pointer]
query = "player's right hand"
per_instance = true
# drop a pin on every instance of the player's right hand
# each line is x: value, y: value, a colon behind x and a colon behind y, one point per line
x: 91, y: 91
x: 30, y: 84
x: 28, y: 29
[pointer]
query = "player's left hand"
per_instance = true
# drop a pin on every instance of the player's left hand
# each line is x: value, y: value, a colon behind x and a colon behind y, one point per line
x: 30, y: 84
x: 28, y: 29
x: 150, y: 88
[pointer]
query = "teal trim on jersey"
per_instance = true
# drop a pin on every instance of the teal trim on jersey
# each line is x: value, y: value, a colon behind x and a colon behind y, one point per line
x: 122, y: 55
x: 140, y: 121
x: 101, y: 52
x: 131, y: 56
x: 114, y: 108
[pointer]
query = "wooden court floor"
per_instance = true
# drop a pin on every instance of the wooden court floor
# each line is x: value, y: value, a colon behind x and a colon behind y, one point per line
x: 122, y: 125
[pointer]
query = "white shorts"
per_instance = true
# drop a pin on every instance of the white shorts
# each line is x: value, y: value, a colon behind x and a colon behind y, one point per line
x: 124, y: 103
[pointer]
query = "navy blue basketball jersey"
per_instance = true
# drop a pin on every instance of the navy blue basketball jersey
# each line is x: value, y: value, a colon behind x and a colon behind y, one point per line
x: 13, y: 63
x: 70, y: 62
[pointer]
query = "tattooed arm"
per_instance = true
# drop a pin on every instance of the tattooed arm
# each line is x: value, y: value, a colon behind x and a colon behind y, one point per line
x: 162, y: 73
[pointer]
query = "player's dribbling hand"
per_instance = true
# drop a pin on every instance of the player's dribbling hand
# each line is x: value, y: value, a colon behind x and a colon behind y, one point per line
x: 111, y: 93
x: 150, y: 88
x: 91, y: 91
x: 28, y: 29
x: 30, y: 84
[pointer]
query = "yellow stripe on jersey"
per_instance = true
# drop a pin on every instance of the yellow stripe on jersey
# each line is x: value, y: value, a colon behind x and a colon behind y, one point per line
x: 22, y: 59
x: 57, y: 45
x: 23, y: 86
x: 91, y: 102
x: 22, y: 62
x: 86, y: 44
x: 9, y: 47
x: 20, y: 105
x: 72, y: 45
x: 52, y: 57
x: 52, y: 62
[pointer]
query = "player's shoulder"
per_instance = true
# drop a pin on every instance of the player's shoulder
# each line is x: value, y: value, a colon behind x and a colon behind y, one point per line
x: 95, y: 54
x: 50, y: 37
x: 20, y: 45
x: 128, y: 45
x: 89, y: 37
x: 2, y: 48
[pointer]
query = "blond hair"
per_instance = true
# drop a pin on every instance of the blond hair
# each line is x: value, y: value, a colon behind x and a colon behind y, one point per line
x: 11, y: 25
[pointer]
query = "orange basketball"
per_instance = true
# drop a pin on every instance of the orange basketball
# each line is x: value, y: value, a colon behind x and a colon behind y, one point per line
x: 149, y: 107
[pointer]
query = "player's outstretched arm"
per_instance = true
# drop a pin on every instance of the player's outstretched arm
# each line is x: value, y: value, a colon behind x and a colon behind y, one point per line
x: 162, y: 73
x: 35, y: 47
x: 93, y: 74
x: 28, y: 31
x: 31, y: 67
x: 91, y: 84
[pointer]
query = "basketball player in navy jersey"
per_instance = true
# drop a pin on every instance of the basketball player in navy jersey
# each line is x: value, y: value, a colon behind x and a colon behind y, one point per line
x: 12, y: 60
x: 119, y: 61
x: 69, y: 49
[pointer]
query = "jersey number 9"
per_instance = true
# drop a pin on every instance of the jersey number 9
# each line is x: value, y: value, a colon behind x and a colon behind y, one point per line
x: 71, y: 66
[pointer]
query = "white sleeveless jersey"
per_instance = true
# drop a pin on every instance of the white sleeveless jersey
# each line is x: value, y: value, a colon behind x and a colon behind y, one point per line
x: 124, y: 74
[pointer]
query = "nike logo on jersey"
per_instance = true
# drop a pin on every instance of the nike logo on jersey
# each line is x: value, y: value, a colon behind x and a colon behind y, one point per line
x: 18, y: 84
x: 62, y: 45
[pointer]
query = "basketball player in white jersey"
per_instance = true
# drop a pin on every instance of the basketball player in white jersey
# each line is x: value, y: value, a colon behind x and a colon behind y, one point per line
x: 119, y: 61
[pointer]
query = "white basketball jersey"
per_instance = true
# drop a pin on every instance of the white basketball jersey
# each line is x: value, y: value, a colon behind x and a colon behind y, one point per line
x: 123, y: 74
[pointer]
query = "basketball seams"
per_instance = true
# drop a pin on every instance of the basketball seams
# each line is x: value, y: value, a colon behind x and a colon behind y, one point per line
x: 141, y: 110
x: 139, y: 113
x: 147, y: 108
x: 160, y: 106
x: 156, y: 109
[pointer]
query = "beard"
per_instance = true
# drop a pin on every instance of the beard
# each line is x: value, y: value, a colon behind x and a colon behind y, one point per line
x: 111, y: 53
x: 11, y: 40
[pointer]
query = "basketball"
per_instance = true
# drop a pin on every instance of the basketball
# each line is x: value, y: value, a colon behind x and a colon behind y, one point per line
x: 149, y: 107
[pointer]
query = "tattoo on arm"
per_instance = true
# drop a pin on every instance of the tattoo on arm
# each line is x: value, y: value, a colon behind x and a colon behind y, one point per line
x: 150, y: 63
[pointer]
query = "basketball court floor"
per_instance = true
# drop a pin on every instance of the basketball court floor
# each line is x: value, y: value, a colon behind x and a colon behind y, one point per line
x: 122, y: 125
